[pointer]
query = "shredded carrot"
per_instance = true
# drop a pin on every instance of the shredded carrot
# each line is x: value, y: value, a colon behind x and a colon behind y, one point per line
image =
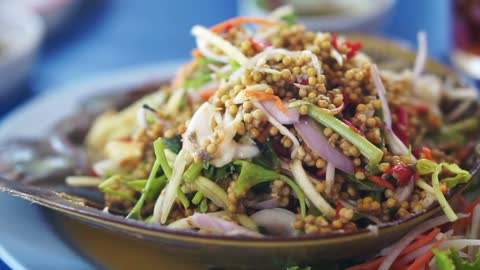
x: 207, y: 93
x: 380, y: 181
x: 264, y: 96
x: 427, y: 153
x: 444, y: 188
x: 196, y: 53
x: 368, y: 265
x: 225, y: 25
x: 424, y: 258
x: 421, y: 242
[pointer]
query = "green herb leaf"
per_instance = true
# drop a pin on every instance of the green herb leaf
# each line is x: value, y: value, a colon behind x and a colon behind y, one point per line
x: 174, y: 144
x: 442, y: 260
x: 425, y: 166
x: 204, y: 206
x: 289, y: 19
x: 267, y: 158
x: 252, y: 174
x: 461, y: 176
x: 160, y: 160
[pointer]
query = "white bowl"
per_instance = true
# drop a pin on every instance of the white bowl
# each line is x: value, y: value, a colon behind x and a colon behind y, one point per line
x: 21, y: 33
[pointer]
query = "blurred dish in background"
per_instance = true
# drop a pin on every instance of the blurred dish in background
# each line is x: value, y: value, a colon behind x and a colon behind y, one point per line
x: 54, y: 12
x: 21, y: 32
x: 329, y: 15
x: 466, y: 52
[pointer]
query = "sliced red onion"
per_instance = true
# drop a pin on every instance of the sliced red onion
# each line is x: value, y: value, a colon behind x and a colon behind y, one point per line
x: 314, y: 138
x: 281, y: 117
x: 266, y: 204
x: 329, y: 177
x: 276, y: 221
x: 219, y: 225
x: 422, y: 54
x: 282, y: 129
x: 404, y: 193
x: 396, y: 145
x: 392, y: 252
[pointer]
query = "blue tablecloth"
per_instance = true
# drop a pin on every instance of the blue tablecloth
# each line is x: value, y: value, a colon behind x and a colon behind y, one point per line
x: 106, y: 35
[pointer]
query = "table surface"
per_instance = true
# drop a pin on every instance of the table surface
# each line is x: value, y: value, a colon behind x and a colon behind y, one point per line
x: 106, y: 35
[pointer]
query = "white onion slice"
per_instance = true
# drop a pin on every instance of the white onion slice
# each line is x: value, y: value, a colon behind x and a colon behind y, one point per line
x: 220, y: 226
x: 329, y: 177
x: 474, y: 230
x: 306, y: 185
x: 396, y: 145
x: 285, y: 119
x: 422, y: 54
x: 315, y: 140
x: 202, y: 47
x: 460, y: 243
x: 373, y: 229
x: 277, y: 221
x: 404, y: 193
x: 229, y: 50
x: 104, y: 167
x: 391, y: 253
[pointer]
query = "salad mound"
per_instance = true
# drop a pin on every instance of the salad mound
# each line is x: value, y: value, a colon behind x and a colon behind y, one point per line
x: 275, y: 130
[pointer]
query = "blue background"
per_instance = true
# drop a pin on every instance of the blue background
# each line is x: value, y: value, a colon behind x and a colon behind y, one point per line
x: 106, y: 35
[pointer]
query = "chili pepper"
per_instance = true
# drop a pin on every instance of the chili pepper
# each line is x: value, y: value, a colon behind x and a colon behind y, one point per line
x: 402, y: 172
x: 353, y: 46
x: 380, y: 181
x: 338, y: 207
x: 422, y: 108
x: 427, y: 153
x: 400, y: 128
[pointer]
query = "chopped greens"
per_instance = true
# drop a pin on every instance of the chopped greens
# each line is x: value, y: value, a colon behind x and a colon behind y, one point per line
x: 451, y: 259
x: 160, y: 160
x: 251, y: 175
x: 174, y: 144
x: 267, y: 158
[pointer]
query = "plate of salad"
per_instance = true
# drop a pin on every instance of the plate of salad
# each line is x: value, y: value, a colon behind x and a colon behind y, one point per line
x: 272, y: 146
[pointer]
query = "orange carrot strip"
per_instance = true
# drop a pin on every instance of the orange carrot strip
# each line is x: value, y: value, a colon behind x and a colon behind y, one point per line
x: 196, y: 53
x: 424, y: 258
x: 241, y: 20
x: 207, y: 93
x: 264, y: 96
x: 382, y: 182
x: 425, y: 239
x: 368, y: 265
x: 421, y: 242
x: 427, y: 152
x: 444, y: 188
